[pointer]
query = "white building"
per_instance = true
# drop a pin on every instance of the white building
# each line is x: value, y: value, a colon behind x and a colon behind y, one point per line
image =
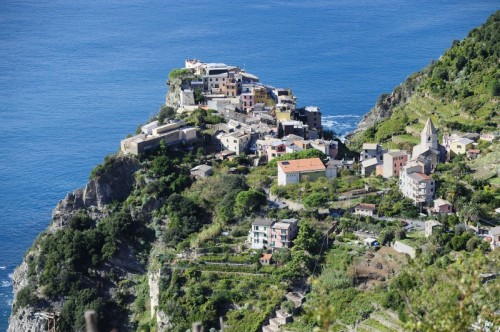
x: 148, y: 128
x: 429, y: 148
x: 365, y: 209
x: 372, y: 150
x: 416, y: 185
x: 259, y: 235
x: 236, y: 141
x: 171, y: 133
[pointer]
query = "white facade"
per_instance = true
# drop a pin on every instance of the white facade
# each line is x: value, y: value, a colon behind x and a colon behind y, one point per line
x: 417, y: 186
x: 287, y: 178
x: 371, y: 150
x: 259, y: 235
x: 148, y: 128
x: 237, y: 141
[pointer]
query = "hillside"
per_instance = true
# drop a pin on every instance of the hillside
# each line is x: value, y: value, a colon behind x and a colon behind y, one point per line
x: 460, y: 92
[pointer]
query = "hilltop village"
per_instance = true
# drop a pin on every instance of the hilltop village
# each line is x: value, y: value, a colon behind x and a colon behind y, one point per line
x: 260, y: 122
x: 234, y: 209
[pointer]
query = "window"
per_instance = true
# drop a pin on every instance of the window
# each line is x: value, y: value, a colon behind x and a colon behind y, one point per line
x: 256, y: 241
x: 283, y: 238
x: 256, y: 228
x: 400, y: 164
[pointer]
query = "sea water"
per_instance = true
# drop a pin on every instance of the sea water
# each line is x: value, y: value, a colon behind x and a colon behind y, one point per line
x: 78, y: 76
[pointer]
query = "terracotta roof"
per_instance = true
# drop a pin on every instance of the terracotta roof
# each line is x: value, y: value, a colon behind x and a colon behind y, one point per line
x: 418, y: 176
x: 266, y: 257
x: 301, y: 165
x: 474, y: 151
x: 441, y: 202
x: 366, y: 206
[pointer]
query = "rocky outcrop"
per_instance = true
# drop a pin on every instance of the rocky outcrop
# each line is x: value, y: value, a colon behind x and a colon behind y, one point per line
x: 387, y: 102
x: 113, y: 184
x: 23, y: 319
x: 176, y: 86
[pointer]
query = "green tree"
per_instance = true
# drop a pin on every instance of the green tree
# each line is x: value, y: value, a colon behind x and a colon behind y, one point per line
x: 249, y: 201
x: 316, y: 200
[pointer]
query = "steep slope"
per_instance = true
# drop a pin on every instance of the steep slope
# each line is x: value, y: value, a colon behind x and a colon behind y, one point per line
x: 460, y: 91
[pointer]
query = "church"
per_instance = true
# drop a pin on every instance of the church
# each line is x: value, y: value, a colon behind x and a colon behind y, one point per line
x: 429, y: 151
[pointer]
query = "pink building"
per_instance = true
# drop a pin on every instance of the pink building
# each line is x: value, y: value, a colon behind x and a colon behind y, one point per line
x: 442, y: 206
x: 283, y: 232
x: 394, y: 162
x: 275, y: 149
x: 247, y: 101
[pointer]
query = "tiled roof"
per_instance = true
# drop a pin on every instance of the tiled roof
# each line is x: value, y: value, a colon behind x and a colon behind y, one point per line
x: 418, y: 176
x: 301, y: 165
x: 266, y: 257
x: 441, y: 202
x: 366, y: 206
x: 262, y: 222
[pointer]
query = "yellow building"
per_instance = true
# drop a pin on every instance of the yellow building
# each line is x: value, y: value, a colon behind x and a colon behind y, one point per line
x: 261, y: 96
x: 460, y: 146
x: 283, y: 112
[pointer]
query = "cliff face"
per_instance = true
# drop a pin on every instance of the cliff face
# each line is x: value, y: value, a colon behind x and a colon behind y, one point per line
x: 174, y: 92
x: 114, y: 184
x: 388, y: 102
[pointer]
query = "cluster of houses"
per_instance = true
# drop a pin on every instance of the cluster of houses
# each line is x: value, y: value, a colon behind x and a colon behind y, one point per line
x: 414, y: 169
x: 264, y: 121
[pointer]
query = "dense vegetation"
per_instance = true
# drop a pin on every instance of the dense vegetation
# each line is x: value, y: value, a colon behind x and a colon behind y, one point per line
x: 459, y: 91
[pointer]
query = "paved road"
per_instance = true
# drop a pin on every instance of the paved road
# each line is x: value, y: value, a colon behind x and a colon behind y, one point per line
x: 415, y: 224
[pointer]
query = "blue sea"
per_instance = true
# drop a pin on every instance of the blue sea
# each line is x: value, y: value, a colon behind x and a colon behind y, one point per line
x: 77, y: 76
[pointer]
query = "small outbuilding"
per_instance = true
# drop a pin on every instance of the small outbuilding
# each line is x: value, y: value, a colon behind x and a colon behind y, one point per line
x: 266, y: 259
x: 430, y: 225
x: 442, y: 206
x: 369, y: 241
x: 365, y: 209
x: 201, y: 171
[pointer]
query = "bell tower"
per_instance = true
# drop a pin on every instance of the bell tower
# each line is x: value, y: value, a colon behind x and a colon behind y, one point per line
x: 429, y: 137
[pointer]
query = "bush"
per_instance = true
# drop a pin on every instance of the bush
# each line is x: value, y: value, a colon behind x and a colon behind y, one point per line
x: 26, y: 296
x: 179, y: 73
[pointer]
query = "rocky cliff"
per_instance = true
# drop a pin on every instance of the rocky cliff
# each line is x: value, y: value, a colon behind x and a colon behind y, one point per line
x: 174, y: 92
x: 388, y: 102
x: 113, y: 183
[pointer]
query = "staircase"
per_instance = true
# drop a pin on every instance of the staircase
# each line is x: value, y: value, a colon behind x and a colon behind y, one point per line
x: 281, y: 317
